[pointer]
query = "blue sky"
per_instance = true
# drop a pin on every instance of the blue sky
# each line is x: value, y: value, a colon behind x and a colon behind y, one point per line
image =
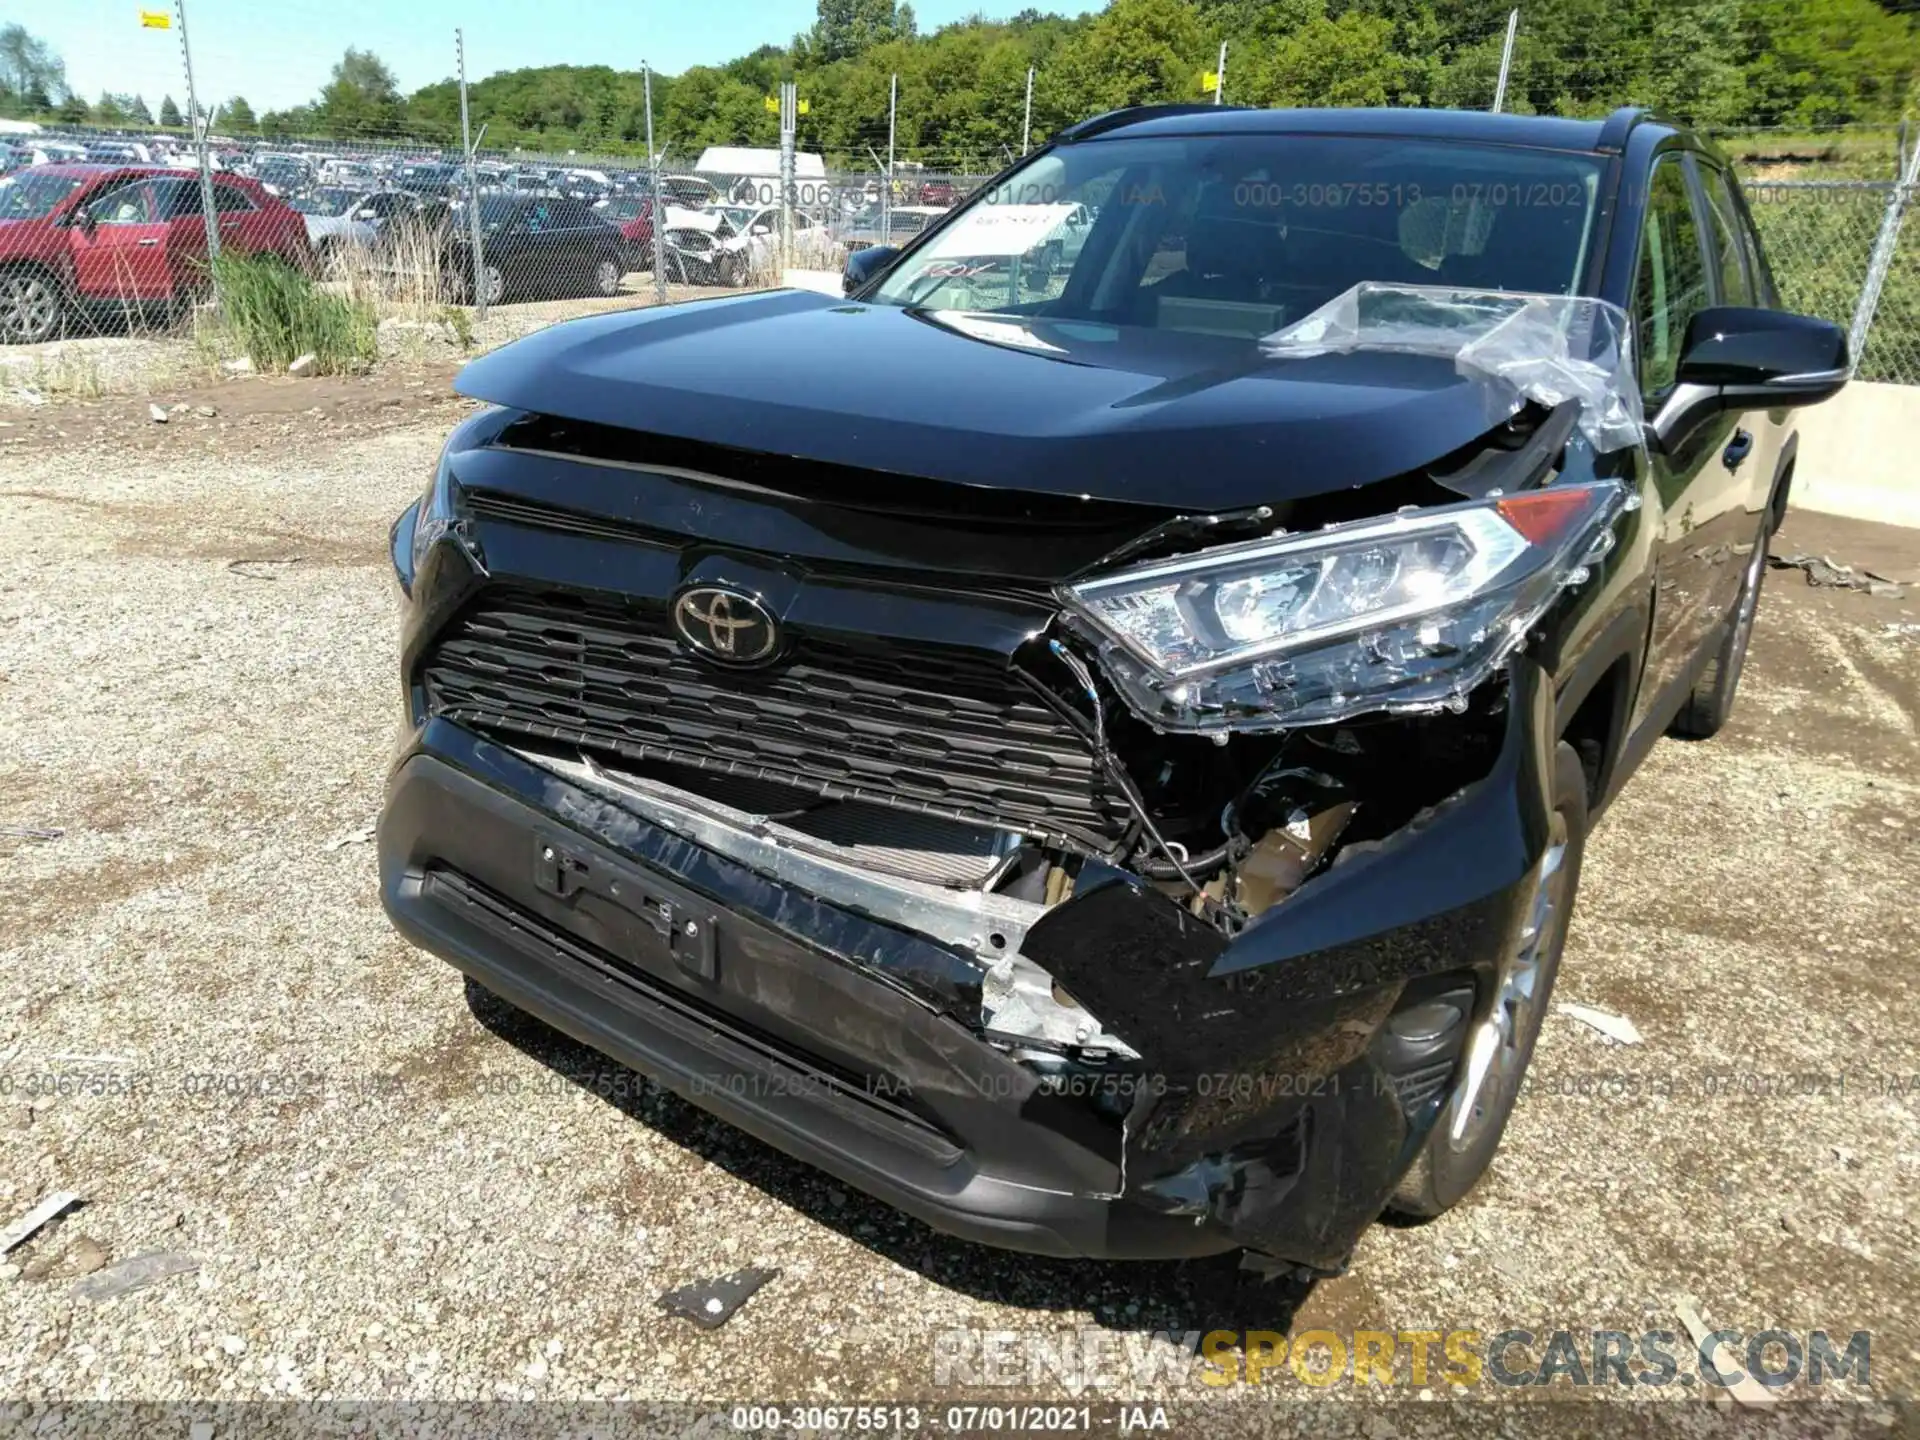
x: 279, y: 52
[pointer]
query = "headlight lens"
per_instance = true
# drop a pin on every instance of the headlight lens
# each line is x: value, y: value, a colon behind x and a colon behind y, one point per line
x: 1407, y: 612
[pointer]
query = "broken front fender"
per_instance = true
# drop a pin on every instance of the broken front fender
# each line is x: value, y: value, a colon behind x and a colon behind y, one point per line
x: 1284, y: 1109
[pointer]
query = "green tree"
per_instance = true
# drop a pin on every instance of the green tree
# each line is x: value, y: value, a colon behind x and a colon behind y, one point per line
x: 1137, y: 52
x: 238, y: 116
x: 72, y: 110
x: 31, y: 75
x: 1348, y: 61
x: 110, y: 109
x: 138, y: 112
x: 843, y: 28
x: 361, y: 98
x: 170, y: 114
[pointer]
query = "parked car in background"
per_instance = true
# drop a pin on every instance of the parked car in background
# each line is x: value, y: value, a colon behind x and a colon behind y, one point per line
x: 283, y: 174
x: 81, y: 239
x: 55, y: 152
x: 108, y: 152
x: 344, y: 219
x: 530, y: 245
x: 754, y: 231
x: 1107, y: 771
x: 347, y: 173
x: 688, y: 191
x: 898, y: 225
x: 427, y: 178
x: 701, y: 249
x: 632, y: 216
x: 940, y: 194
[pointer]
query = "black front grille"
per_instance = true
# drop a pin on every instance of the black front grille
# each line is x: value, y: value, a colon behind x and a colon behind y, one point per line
x: 943, y: 732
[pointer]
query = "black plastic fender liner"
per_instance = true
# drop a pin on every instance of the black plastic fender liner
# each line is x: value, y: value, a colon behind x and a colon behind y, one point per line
x: 1266, y: 1037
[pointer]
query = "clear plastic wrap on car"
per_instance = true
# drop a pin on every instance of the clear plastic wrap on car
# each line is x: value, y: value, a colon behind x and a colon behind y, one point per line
x: 1545, y: 348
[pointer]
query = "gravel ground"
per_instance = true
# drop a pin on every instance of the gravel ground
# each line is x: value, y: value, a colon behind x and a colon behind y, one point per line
x: 389, y: 1193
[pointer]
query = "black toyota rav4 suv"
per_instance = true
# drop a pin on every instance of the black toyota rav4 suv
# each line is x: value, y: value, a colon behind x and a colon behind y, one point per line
x: 1090, y: 737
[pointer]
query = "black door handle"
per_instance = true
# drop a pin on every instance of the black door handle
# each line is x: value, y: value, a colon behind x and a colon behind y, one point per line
x: 1737, y: 449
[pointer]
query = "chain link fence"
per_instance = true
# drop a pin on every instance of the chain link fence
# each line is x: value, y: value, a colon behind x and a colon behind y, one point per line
x: 403, y: 234
x: 401, y: 231
x: 1819, y: 237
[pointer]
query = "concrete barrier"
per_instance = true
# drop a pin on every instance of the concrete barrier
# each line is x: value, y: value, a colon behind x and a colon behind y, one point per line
x: 1860, y: 455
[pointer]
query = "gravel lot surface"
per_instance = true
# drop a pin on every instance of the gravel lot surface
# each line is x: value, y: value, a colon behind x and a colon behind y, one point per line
x: 391, y: 1193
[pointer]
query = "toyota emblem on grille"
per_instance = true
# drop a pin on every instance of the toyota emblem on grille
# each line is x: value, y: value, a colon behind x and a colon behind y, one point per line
x: 726, y: 625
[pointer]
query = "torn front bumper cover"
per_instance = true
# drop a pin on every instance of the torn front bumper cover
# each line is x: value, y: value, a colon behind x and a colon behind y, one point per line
x: 1262, y: 1103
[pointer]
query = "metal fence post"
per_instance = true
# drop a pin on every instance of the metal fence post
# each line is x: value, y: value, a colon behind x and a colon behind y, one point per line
x: 653, y: 185
x: 1884, y: 245
x: 208, y: 216
x: 1506, y: 61
x: 886, y: 190
x: 789, y: 124
x: 1026, y: 124
x: 473, y: 186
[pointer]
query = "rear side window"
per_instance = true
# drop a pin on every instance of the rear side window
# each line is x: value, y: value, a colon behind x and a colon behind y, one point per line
x: 228, y: 200
x: 1671, y: 286
x: 1736, y: 285
x: 177, y: 199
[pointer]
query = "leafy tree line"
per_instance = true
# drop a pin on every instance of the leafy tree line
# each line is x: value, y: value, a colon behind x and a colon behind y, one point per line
x: 962, y: 88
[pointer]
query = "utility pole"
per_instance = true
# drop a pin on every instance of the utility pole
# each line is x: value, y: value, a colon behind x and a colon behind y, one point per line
x: 473, y: 185
x: 659, y: 210
x: 1220, y: 77
x: 886, y: 192
x: 1506, y: 61
x: 201, y: 125
x: 1026, y: 125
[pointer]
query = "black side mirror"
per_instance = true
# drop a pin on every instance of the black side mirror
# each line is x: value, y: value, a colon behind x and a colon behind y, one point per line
x: 863, y: 265
x: 82, y: 218
x: 1735, y: 358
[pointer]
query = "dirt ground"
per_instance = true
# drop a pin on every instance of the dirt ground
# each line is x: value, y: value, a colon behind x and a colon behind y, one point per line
x: 210, y: 1034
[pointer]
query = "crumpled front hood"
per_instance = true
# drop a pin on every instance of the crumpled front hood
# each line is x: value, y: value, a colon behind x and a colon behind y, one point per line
x: 1194, y: 422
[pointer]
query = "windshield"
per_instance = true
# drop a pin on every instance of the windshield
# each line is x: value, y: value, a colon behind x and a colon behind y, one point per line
x: 1241, y: 235
x: 326, y: 204
x: 28, y: 196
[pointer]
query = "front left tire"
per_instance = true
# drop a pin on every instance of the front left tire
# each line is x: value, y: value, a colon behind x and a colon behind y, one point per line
x: 1460, y: 1148
x: 606, y: 276
x: 30, y: 307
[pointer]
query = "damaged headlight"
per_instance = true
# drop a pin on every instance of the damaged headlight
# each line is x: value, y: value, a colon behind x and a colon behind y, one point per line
x: 1406, y: 612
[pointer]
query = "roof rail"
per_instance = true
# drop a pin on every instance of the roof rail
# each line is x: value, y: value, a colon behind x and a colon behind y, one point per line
x: 1614, y: 132
x: 1127, y: 115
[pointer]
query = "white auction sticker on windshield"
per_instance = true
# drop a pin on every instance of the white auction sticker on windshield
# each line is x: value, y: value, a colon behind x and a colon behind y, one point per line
x: 1000, y: 230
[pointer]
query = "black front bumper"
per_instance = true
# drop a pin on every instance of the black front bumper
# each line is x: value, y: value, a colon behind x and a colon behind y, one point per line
x: 1266, y: 1109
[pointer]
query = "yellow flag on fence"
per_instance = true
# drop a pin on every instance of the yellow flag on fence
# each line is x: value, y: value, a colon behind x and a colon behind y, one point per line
x: 156, y: 20
x: 1209, y: 81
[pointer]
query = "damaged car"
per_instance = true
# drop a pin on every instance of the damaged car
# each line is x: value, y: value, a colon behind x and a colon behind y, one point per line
x: 1104, y: 766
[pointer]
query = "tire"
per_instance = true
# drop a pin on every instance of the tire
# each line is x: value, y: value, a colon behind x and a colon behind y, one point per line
x: 493, y: 283
x: 1461, y: 1146
x: 606, y: 276
x: 1711, y: 700
x: 31, y: 308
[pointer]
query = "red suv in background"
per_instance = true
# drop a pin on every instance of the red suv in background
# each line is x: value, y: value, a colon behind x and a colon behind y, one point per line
x: 76, y: 239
